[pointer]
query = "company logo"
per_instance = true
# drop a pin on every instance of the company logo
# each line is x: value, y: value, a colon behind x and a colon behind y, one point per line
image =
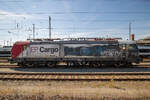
x: 51, y: 50
x: 33, y: 49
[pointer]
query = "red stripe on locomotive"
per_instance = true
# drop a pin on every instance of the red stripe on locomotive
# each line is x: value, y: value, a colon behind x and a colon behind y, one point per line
x: 18, y: 48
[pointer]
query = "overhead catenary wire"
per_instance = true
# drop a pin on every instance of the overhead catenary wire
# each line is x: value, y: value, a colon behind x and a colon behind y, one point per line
x: 81, y: 12
x: 83, y: 21
x: 80, y: 28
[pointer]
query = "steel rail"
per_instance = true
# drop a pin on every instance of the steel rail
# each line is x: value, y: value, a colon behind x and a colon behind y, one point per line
x: 117, y: 76
x: 6, y: 58
x: 75, y: 73
x: 9, y: 66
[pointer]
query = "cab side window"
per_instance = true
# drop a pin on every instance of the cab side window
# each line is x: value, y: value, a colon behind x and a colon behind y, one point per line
x: 132, y: 47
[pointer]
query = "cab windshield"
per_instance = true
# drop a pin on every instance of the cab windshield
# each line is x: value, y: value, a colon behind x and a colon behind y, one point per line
x: 132, y: 47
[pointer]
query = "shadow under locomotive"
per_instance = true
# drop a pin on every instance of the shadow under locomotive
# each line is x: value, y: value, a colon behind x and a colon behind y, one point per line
x: 83, y: 69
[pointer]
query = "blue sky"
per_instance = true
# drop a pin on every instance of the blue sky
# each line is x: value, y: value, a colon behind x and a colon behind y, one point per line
x: 73, y: 18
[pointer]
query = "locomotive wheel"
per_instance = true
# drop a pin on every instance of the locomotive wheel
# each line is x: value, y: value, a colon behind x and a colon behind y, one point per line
x: 117, y: 65
x: 53, y: 64
x: 70, y: 64
x: 29, y: 65
x: 123, y: 64
x: 99, y: 65
x: 128, y: 64
x: 76, y: 64
x: 50, y: 64
x: 83, y: 63
x: 21, y: 64
x: 91, y: 64
x: 96, y: 65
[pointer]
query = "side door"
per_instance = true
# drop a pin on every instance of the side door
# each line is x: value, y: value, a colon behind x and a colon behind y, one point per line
x: 24, y: 51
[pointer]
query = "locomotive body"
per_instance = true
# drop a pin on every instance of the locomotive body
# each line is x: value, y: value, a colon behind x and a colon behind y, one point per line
x: 74, y: 53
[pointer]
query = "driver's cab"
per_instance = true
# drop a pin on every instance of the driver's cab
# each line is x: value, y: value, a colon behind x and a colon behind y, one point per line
x: 129, y: 49
x: 129, y: 46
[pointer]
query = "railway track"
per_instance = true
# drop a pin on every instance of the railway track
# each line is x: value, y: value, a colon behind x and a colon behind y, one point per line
x: 4, y: 58
x: 104, y: 76
x: 4, y: 63
x: 9, y: 66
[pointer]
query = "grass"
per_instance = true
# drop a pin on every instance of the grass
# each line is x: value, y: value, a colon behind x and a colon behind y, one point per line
x: 75, y: 90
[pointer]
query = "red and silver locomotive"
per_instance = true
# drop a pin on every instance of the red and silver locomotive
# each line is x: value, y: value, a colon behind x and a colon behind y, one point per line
x: 75, y: 52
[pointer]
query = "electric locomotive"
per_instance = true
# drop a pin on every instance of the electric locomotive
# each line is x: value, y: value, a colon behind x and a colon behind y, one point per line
x: 81, y: 51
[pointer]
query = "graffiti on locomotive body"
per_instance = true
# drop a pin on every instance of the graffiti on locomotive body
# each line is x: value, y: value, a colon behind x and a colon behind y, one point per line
x: 44, y: 50
x: 110, y: 52
x: 93, y: 51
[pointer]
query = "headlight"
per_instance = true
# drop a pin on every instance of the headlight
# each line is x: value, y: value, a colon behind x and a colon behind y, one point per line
x: 123, y: 47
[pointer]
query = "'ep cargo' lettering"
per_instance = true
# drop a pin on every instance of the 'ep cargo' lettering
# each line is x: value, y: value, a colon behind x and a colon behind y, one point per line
x: 51, y: 50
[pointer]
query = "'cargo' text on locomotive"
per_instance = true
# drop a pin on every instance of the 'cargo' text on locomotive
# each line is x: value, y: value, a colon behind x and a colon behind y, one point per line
x: 52, y: 50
